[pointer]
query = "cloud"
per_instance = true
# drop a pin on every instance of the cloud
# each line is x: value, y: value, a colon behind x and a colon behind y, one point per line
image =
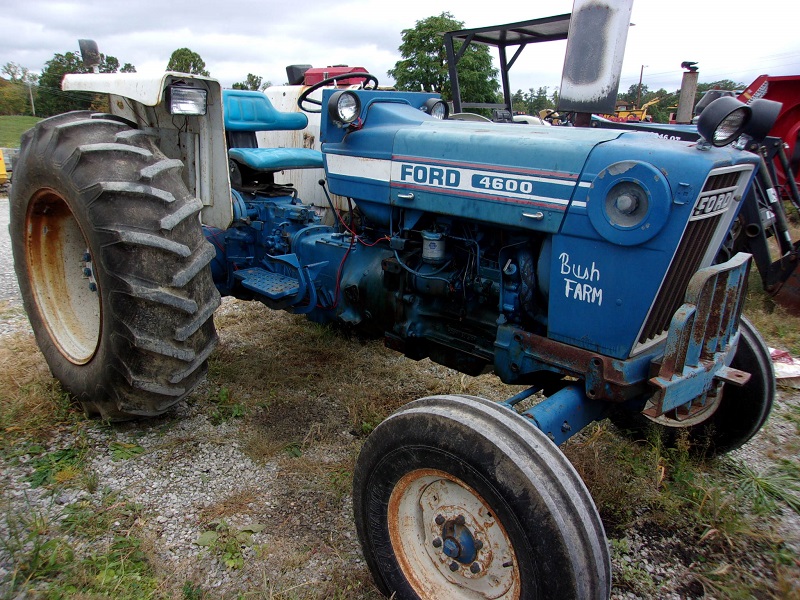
x: 242, y: 36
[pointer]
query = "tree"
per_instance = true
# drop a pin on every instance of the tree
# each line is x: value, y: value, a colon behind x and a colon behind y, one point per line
x: 722, y: 84
x: 16, y: 93
x: 518, y: 102
x: 52, y: 100
x: 424, y: 63
x: 184, y: 60
x: 252, y: 82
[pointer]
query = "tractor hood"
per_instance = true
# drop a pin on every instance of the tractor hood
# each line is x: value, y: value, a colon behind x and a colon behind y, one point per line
x: 509, y: 174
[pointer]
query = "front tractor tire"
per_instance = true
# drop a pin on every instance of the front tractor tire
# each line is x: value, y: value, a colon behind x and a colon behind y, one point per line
x: 731, y: 419
x: 458, y: 497
x: 112, y: 265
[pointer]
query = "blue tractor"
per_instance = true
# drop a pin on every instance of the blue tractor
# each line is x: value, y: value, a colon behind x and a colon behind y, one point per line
x: 579, y: 262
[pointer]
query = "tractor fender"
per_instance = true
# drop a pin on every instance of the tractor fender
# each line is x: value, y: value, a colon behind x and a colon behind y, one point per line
x: 139, y: 87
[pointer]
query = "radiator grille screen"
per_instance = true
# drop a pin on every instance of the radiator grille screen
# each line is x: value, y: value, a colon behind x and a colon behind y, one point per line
x: 695, y: 242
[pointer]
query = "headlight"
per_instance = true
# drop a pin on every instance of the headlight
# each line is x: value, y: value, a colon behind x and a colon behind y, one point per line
x: 186, y: 100
x: 724, y: 120
x: 765, y: 113
x: 436, y: 108
x: 627, y: 205
x: 629, y: 202
x: 344, y: 107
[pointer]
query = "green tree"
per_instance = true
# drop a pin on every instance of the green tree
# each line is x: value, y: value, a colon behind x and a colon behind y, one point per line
x: 184, y: 60
x: 17, y: 90
x: 52, y: 100
x: 538, y: 100
x: 252, y: 82
x: 518, y: 102
x: 722, y: 84
x: 424, y: 63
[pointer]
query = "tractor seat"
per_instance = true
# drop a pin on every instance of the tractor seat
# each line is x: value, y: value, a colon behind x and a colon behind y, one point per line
x: 247, y: 112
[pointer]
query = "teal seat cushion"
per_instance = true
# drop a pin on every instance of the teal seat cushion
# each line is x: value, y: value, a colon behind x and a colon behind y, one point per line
x: 277, y: 159
x: 252, y: 111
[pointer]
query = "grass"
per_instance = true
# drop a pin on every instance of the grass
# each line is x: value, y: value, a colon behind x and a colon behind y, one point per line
x: 720, y: 511
x: 12, y: 127
x: 303, y: 398
x: 44, y: 564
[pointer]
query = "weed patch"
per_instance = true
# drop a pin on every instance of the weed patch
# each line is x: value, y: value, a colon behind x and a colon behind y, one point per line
x: 227, y: 542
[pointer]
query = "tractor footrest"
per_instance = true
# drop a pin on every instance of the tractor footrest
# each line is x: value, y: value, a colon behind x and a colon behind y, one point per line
x: 274, y: 286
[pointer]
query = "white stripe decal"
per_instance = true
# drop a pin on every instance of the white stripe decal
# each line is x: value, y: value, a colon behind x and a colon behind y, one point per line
x: 377, y: 169
x: 492, y: 184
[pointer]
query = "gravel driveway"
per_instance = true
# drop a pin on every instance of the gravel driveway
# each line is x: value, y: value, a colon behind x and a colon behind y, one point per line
x: 8, y: 280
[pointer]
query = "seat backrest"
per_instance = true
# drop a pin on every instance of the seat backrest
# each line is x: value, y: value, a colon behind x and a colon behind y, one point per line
x: 246, y: 110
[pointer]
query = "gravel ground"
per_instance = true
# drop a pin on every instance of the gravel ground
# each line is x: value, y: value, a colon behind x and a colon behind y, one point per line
x: 8, y: 280
x: 190, y: 465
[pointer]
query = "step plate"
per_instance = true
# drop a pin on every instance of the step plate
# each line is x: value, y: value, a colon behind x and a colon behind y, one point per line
x: 272, y: 285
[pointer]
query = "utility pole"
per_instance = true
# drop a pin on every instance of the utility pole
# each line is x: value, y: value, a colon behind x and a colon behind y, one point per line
x: 30, y: 92
x: 688, y: 90
x: 639, y: 92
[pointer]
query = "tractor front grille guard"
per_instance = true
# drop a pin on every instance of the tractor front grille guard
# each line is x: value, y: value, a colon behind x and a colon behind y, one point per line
x: 700, y: 339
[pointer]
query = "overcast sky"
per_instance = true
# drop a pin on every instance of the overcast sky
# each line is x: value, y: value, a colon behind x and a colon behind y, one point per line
x: 730, y: 40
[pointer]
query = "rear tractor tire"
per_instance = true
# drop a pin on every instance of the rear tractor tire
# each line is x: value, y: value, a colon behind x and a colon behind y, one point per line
x: 112, y: 265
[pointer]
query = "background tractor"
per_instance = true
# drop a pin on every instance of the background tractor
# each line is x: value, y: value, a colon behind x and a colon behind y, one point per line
x: 576, y: 261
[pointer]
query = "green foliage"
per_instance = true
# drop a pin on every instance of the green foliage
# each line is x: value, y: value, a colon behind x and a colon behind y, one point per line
x: 668, y: 101
x: 228, y: 543
x: 192, y: 591
x: 533, y: 101
x: 16, y: 91
x: 225, y: 407
x: 184, y: 60
x: 124, y: 450
x: 763, y: 489
x: 52, y: 100
x: 252, y: 82
x: 58, y: 466
x: 12, y: 127
x: 424, y: 62
x: 45, y: 565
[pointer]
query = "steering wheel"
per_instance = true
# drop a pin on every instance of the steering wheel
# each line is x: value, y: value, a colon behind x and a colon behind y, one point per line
x: 304, y: 97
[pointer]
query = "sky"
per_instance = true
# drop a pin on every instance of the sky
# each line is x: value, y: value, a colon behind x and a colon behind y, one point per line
x: 729, y: 40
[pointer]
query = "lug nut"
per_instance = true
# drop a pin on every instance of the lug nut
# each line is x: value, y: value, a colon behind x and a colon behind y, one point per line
x: 92, y: 287
x: 437, y: 543
x: 87, y: 272
x: 87, y: 257
x: 475, y: 568
x: 478, y: 544
x: 439, y: 520
x: 460, y: 520
x: 454, y: 566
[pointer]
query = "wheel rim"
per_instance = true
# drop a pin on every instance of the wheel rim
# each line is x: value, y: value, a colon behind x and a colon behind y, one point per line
x: 693, y: 413
x: 446, y: 536
x: 62, y: 278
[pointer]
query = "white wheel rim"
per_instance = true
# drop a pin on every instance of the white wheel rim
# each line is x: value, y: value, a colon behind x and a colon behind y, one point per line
x: 699, y: 411
x: 420, y: 497
x: 61, y: 277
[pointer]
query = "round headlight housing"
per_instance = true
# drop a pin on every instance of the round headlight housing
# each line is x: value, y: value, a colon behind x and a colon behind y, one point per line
x: 629, y: 202
x: 627, y: 205
x: 723, y: 121
x: 344, y: 107
x: 436, y: 108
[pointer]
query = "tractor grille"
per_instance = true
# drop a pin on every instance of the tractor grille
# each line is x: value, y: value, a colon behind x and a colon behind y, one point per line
x: 688, y: 259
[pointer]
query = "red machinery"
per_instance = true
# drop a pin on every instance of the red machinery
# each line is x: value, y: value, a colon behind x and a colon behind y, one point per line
x: 786, y: 90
